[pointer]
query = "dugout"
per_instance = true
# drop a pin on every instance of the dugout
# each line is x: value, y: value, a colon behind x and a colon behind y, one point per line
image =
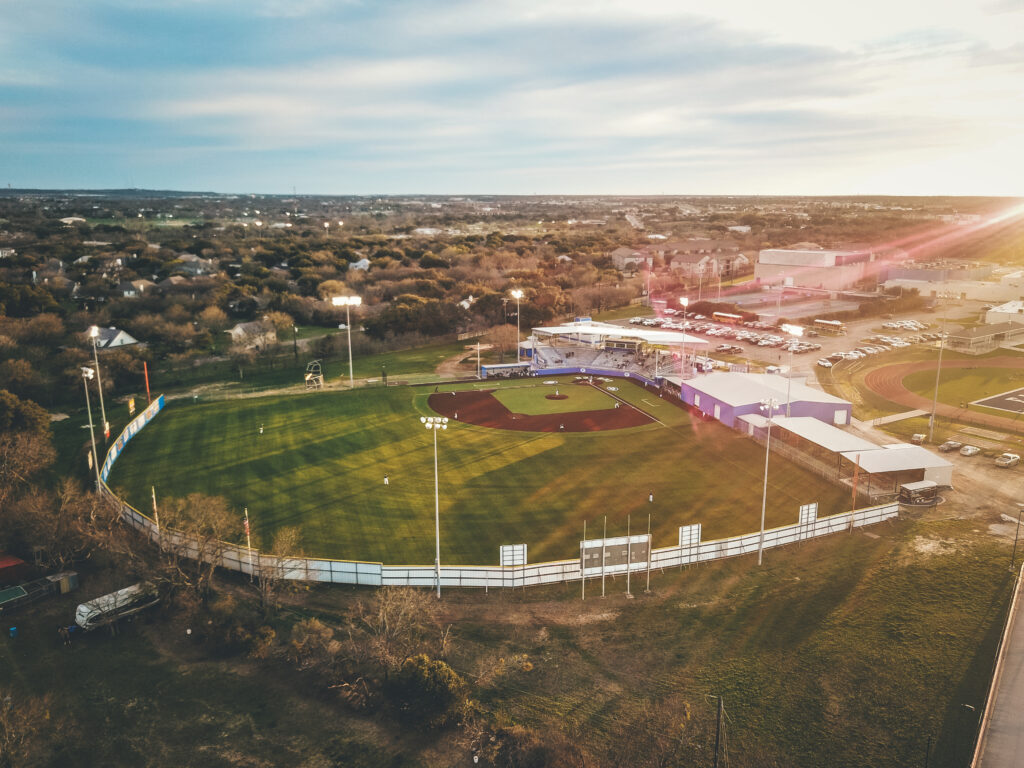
x: 504, y: 370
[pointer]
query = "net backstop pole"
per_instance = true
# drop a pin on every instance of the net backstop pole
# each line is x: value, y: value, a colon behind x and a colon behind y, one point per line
x: 649, y: 548
x: 604, y: 538
x: 583, y: 564
x: 629, y: 555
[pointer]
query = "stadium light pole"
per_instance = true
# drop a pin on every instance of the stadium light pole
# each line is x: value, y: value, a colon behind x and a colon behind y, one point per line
x: 768, y: 405
x: 94, y: 333
x: 938, y: 372
x: 684, y: 302
x: 434, y: 423
x: 517, y: 295
x: 795, y: 332
x: 87, y: 373
x: 346, y: 302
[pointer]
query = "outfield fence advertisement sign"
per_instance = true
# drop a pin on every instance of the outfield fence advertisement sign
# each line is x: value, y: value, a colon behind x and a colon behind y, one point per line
x: 615, y: 553
x: 597, y: 557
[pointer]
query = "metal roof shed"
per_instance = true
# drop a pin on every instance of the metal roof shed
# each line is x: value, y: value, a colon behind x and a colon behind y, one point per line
x: 903, y: 458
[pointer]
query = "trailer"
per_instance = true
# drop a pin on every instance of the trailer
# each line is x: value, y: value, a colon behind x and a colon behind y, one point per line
x: 21, y: 595
x: 110, y: 608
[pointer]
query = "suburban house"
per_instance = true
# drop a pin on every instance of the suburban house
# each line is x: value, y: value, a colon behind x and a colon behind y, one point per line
x: 193, y: 265
x: 257, y: 334
x: 132, y: 288
x: 108, y: 338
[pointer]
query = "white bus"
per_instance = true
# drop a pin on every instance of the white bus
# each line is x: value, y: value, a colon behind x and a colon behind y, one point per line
x: 109, y: 608
x: 834, y: 327
x: 726, y: 317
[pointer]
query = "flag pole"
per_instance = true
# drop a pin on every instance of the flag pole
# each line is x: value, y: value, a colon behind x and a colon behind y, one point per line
x: 156, y: 519
x: 248, y: 543
x: 145, y: 372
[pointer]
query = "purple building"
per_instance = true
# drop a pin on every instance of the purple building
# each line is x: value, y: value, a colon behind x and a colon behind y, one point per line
x: 727, y: 396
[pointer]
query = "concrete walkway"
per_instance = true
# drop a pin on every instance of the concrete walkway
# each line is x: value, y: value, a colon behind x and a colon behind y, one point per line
x: 897, y: 417
x: 1001, y: 740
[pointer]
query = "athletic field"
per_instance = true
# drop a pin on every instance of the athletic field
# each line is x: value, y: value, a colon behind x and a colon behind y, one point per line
x: 322, y: 458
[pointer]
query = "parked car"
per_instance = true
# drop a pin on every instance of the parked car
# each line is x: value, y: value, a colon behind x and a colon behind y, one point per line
x: 950, y: 445
x: 1008, y: 460
x: 970, y: 450
x: 824, y: 363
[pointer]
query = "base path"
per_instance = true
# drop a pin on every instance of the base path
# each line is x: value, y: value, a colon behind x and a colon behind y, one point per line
x: 887, y: 382
x: 483, y: 409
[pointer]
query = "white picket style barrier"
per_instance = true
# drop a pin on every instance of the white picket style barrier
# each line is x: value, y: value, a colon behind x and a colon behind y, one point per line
x: 690, y: 551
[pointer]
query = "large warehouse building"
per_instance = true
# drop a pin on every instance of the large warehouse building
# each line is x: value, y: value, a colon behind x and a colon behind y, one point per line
x: 831, y: 270
x: 727, y: 396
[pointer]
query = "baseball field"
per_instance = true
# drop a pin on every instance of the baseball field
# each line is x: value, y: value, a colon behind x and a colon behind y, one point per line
x: 517, y: 464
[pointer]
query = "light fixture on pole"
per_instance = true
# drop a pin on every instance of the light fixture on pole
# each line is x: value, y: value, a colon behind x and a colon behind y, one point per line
x: 795, y: 331
x: 517, y: 295
x: 346, y: 302
x: 768, y: 406
x: 87, y: 373
x: 94, y: 333
x: 434, y: 423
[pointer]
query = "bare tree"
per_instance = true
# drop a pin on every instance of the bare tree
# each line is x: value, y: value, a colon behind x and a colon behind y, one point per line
x: 22, y: 456
x: 396, y: 623
x: 284, y: 565
x: 68, y: 525
x: 503, y: 338
x: 21, y: 721
x: 198, y: 530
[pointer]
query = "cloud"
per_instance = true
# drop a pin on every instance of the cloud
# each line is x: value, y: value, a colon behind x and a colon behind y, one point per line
x: 677, y: 92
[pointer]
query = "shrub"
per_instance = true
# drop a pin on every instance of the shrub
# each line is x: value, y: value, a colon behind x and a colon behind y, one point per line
x: 427, y: 692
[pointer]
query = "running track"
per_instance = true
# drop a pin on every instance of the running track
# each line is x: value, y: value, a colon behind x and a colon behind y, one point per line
x: 887, y: 382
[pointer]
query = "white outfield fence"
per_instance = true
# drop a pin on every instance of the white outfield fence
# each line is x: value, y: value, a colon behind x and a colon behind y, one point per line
x: 689, y: 551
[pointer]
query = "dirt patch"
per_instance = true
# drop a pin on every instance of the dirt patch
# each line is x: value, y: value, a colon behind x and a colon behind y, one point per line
x: 927, y: 546
x: 556, y: 397
x: 482, y: 409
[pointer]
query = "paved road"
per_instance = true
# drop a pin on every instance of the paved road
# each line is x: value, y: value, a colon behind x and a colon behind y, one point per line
x: 1002, y: 739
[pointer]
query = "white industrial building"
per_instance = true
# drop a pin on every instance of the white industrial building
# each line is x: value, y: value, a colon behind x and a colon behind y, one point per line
x: 808, y: 268
x: 1010, y: 312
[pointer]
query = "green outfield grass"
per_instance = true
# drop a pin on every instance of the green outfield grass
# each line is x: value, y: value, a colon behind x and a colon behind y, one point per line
x: 321, y: 461
x: 965, y: 385
x: 531, y: 398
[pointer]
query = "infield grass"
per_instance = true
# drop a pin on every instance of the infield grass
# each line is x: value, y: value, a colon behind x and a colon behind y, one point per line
x: 531, y: 398
x: 321, y: 461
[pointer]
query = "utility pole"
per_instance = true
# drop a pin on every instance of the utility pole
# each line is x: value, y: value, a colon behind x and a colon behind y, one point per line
x: 718, y: 728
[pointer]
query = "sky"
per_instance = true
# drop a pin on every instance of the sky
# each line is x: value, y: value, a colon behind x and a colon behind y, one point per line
x: 901, y: 97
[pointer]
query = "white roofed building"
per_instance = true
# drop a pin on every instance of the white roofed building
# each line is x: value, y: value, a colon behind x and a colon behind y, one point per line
x: 806, y: 268
x: 727, y: 396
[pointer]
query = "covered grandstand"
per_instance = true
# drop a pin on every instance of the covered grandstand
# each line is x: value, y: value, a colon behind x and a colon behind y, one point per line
x: 604, y: 346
